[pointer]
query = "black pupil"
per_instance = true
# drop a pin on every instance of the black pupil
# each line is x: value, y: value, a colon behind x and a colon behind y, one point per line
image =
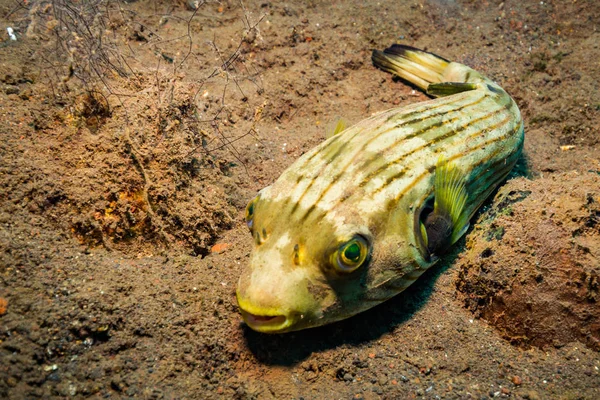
x: 352, y: 252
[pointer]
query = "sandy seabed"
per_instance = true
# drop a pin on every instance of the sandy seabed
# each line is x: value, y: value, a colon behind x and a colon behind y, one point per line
x: 121, y: 215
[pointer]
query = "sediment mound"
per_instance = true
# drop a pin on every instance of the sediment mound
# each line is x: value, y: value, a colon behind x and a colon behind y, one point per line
x: 532, y: 262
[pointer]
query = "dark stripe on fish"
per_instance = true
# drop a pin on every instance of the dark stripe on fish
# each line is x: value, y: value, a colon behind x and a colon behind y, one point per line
x: 417, y: 133
x: 420, y: 118
x: 392, y: 203
x: 438, y: 139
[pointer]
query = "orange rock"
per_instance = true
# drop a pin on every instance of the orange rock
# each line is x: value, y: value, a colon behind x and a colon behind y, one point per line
x: 3, y: 305
x: 219, y: 247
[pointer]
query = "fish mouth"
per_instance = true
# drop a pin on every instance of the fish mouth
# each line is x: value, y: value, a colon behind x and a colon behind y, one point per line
x: 268, y: 320
x: 267, y: 323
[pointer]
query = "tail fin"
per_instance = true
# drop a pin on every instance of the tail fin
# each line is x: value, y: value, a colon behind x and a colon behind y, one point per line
x: 416, y: 66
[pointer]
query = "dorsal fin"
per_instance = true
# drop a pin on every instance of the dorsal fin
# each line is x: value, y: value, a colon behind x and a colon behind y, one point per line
x: 339, y: 125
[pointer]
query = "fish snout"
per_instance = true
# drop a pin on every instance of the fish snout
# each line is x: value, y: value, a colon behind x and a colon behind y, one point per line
x: 262, y: 311
x: 276, y: 301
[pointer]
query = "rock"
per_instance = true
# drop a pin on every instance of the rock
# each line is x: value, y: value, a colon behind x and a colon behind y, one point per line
x: 54, y: 377
x: 117, y: 384
x: 11, y: 89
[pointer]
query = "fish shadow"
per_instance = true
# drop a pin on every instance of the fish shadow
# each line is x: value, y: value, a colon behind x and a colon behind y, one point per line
x: 288, y: 349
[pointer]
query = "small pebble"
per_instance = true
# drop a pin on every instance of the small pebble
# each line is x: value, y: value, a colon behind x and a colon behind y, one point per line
x: 54, y: 377
x: 517, y: 380
x: 12, y: 89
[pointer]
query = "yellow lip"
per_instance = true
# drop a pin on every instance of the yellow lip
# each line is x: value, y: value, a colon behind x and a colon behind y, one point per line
x: 266, y: 323
x: 265, y: 320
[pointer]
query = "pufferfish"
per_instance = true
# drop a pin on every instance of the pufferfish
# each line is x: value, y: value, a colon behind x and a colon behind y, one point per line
x: 357, y: 219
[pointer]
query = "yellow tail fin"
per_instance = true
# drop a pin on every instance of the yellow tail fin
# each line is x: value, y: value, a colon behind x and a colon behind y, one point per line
x: 433, y: 74
x: 416, y: 66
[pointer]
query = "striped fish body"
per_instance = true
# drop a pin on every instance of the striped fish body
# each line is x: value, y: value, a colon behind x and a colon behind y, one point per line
x: 341, y: 230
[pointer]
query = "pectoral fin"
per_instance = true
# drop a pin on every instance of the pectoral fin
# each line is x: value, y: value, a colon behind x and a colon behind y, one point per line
x: 448, y: 221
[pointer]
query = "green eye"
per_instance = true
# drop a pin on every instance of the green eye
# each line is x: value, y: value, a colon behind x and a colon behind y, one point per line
x: 250, y: 212
x: 351, y: 255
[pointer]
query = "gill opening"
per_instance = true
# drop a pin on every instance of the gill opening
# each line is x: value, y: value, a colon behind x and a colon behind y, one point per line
x: 420, y: 216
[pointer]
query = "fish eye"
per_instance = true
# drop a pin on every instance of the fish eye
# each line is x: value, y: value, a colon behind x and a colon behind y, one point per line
x: 351, y: 255
x: 250, y: 212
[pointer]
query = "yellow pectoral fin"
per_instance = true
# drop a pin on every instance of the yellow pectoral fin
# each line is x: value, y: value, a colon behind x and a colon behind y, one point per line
x: 450, y: 193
